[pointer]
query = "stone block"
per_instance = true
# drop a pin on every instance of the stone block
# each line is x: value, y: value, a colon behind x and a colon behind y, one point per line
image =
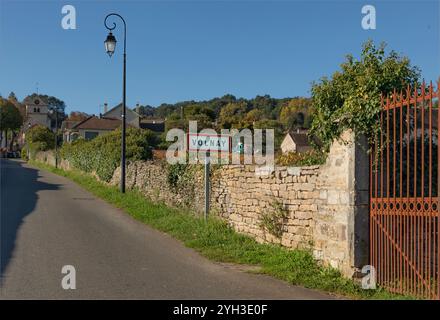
x: 294, y: 171
x: 333, y: 197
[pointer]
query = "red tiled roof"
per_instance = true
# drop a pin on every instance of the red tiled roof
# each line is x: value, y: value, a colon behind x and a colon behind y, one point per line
x: 69, y: 124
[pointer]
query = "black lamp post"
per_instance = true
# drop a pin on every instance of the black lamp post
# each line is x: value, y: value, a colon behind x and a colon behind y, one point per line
x: 110, y: 45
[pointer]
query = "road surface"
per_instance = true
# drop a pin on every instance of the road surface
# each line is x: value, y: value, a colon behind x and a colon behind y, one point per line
x: 47, y: 222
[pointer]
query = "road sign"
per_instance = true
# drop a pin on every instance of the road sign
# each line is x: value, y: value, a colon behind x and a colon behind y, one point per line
x: 208, y: 142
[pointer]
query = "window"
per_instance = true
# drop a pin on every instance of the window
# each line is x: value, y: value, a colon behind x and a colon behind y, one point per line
x: 89, y: 135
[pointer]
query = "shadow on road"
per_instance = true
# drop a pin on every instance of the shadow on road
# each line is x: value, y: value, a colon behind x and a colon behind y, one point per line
x: 18, y: 198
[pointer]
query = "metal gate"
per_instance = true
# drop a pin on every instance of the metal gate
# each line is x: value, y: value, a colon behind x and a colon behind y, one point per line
x: 404, y: 207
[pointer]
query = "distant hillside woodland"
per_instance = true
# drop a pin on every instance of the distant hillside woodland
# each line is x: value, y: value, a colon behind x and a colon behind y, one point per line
x: 261, y: 112
x: 228, y: 112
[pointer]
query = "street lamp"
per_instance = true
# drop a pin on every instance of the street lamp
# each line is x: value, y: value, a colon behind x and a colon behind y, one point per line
x: 110, y: 45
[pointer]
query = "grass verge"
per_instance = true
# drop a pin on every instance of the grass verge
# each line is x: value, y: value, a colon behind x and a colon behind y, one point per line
x: 217, y: 241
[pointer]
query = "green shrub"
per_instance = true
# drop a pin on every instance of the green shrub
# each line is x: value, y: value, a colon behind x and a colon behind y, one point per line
x: 24, y: 153
x: 40, y: 138
x: 174, y: 174
x: 273, y: 220
x: 182, y: 179
x: 102, y: 155
x: 350, y: 99
x: 309, y: 158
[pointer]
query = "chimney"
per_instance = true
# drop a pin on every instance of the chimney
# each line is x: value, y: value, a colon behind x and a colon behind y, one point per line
x: 105, y: 107
x: 137, y: 108
x: 297, y: 130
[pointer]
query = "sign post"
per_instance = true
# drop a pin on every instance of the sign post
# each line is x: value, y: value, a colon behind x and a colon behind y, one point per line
x: 207, y: 165
x: 202, y: 142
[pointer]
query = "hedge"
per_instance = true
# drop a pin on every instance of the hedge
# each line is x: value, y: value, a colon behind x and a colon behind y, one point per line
x: 102, y: 155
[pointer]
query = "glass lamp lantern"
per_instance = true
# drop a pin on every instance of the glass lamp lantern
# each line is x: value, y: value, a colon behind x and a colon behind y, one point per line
x: 110, y: 44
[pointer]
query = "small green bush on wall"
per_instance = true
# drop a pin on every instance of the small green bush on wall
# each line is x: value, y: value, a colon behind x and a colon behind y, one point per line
x: 273, y: 221
x: 174, y: 174
x: 309, y: 158
x: 182, y: 179
x: 102, y: 155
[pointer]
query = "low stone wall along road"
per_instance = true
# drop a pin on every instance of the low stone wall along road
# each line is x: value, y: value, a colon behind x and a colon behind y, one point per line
x: 48, y: 222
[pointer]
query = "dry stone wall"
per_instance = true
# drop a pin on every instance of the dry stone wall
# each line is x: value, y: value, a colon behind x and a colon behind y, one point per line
x: 321, y: 208
x: 320, y: 204
x: 151, y: 178
x: 245, y: 194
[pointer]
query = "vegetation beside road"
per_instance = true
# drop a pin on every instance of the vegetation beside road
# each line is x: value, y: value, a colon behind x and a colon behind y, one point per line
x: 82, y: 156
x: 38, y: 138
x: 308, y: 158
x: 351, y: 97
x: 217, y: 241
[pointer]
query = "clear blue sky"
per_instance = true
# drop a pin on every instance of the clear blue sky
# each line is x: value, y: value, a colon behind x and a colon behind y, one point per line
x: 197, y: 50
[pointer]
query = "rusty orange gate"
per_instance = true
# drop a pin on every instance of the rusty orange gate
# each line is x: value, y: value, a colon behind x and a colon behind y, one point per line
x: 404, y: 208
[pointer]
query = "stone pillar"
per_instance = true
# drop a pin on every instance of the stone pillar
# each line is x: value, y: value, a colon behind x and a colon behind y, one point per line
x: 341, y: 224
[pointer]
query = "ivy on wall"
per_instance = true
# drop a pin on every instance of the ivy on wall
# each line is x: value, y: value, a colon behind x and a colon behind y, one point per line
x: 183, y: 179
x: 273, y: 220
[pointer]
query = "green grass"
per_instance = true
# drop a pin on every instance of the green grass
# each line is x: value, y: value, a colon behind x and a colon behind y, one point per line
x: 217, y: 241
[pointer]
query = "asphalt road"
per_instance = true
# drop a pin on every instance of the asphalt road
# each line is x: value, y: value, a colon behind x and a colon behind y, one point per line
x: 47, y: 222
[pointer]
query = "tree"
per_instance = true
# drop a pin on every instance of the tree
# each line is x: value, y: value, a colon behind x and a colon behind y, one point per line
x: 10, y: 118
x: 200, y: 113
x: 12, y: 97
x: 264, y: 103
x: 351, y: 98
x: 40, y: 138
x: 232, y: 114
x: 253, y: 116
x: 217, y: 104
x: 296, y: 113
x: 146, y: 111
x: 77, y: 116
x: 271, y: 124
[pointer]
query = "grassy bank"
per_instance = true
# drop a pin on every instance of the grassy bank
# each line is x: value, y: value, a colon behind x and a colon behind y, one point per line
x: 215, y: 240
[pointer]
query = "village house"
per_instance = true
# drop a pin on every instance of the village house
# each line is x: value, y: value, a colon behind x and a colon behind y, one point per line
x: 132, y: 117
x: 69, y: 133
x: 90, y: 128
x: 296, y: 142
x: 135, y: 119
x: 106, y: 122
x: 155, y: 125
